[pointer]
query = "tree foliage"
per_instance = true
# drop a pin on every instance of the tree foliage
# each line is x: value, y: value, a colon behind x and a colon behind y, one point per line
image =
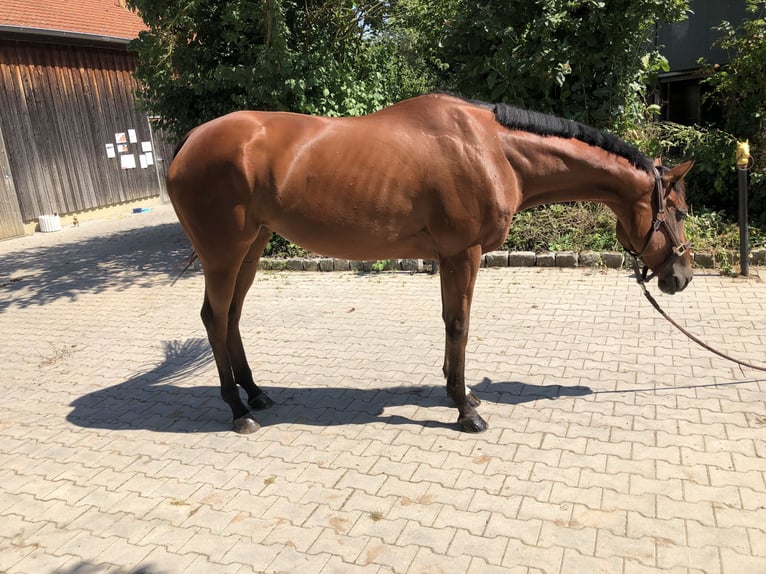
x: 740, y: 89
x: 589, y: 60
x: 201, y: 59
x: 740, y: 86
x: 585, y: 59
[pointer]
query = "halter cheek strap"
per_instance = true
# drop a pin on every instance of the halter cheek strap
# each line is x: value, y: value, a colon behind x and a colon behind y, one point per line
x: 660, y: 220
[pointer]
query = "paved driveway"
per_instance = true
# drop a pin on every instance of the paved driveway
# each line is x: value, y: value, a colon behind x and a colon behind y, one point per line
x: 615, y: 445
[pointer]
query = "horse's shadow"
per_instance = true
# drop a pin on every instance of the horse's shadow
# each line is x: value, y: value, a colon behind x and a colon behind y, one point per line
x: 154, y: 401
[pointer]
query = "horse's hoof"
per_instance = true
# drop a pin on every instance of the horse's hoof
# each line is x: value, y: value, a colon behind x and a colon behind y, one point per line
x: 473, y: 400
x: 472, y: 423
x: 246, y: 425
x: 260, y: 402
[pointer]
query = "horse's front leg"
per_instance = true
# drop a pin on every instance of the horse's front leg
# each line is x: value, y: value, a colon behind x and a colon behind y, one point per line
x: 472, y: 398
x: 458, y: 275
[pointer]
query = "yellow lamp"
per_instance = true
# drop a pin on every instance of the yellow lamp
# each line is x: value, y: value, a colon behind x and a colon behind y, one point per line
x: 743, y: 154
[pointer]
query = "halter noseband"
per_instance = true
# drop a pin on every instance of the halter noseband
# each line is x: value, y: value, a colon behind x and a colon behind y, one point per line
x: 660, y: 220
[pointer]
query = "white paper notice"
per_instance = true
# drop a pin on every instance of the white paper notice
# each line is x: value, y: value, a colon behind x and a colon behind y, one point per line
x: 149, y: 158
x: 132, y: 136
x: 120, y: 137
x: 128, y: 161
x: 142, y: 161
x: 110, y: 150
x: 146, y: 146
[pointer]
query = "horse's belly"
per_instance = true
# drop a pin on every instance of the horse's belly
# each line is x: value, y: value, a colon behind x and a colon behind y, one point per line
x: 349, y: 240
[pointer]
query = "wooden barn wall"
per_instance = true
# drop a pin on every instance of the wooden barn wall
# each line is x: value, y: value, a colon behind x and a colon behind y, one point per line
x: 10, y: 216
x: 60, y: 105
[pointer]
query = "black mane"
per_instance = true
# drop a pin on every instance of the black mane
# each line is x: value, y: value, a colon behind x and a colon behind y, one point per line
x: 546, y: 125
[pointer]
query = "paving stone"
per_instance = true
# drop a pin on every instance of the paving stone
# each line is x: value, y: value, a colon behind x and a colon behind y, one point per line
x: 495, y: 259
x: 412, y: 265
x: 545, y: 260
x: 704, y: 260
x: 566, y: 259
x: 291, y: 560
x: 613, y: 260
x: 294, y: 264
x: 398, y: 558
x: 341, y: 265
x: 590, y: 259
x: 327, y: 264
x: 521, y: 259
x: 614, y: 443
x: 311, y: 264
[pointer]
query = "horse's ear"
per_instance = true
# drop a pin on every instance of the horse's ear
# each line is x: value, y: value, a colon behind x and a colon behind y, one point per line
x: 677, y: 173
x: 658, y: 161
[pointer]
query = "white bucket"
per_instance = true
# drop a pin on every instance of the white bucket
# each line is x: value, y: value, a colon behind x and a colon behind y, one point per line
x: 50, y: 223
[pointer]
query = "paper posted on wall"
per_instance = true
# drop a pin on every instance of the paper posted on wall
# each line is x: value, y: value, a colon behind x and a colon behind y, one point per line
x: 128, y: 161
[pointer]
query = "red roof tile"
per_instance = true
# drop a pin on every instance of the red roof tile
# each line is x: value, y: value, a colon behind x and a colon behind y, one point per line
x: 98, y: 17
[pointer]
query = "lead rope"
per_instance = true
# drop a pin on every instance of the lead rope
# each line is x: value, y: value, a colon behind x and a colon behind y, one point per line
x: 661, y: 311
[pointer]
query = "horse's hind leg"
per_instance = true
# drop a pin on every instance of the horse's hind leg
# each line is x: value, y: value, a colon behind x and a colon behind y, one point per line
x: 458, y: 275
x: 243, y: 376
x: 219, y: 291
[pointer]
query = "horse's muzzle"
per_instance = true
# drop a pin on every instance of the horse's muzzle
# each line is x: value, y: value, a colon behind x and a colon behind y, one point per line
x: 676, y: 281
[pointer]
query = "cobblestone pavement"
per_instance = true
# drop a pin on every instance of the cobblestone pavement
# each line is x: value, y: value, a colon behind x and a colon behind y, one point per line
x: 615, y: 445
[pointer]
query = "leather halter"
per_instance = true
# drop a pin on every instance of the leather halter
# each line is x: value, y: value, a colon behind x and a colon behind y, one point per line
x: 660, y: 220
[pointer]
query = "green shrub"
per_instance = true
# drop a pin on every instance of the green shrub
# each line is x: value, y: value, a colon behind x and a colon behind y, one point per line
x: 564, y: 227
x: 591, y: 227
x: 278, y: 246
x: 712, y: 182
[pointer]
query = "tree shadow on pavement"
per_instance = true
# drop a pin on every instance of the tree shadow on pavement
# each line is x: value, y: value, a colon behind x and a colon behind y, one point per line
x: 156, y: 401
x: 134, y: 257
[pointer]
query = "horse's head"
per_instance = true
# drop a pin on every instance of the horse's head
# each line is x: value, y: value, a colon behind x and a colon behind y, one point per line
x: 656, y: 234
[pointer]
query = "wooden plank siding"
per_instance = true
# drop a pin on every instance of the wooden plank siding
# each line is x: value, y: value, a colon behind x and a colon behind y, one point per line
x: 10, y: 216
x: 59, y: 107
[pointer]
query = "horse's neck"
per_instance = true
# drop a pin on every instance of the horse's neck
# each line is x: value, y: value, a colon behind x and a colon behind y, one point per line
x: 554, y: 170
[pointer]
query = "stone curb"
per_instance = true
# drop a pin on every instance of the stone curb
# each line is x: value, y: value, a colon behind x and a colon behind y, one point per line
x: 607, y: 259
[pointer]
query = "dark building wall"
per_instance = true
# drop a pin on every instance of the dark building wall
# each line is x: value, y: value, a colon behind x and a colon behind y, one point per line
x: 684, y: 43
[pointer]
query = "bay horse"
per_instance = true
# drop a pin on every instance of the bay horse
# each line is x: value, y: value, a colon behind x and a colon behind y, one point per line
x: 433, y: 177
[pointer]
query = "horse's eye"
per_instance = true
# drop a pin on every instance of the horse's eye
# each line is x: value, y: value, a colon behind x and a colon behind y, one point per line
x: 681, y: 214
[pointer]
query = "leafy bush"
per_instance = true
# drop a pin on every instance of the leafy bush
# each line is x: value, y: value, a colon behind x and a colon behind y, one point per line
x: 563, y: 227
x: 712, y: 183
x: 591, y: 227
x: 588, y: 60
x: 739, y: 88
x: 278, y: 246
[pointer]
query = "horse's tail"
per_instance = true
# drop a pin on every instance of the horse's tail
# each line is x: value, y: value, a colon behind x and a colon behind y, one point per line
x: 193, y: 257
x: 181, y: 144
